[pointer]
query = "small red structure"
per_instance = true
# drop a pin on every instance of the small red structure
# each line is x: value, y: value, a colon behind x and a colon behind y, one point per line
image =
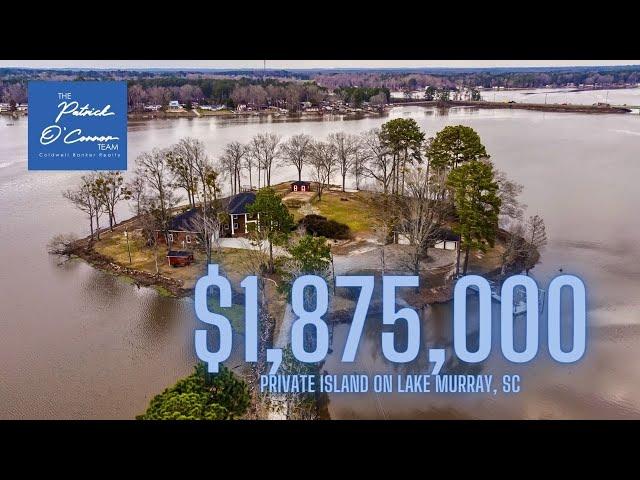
x: 300, y: 186
x: 179, y: 258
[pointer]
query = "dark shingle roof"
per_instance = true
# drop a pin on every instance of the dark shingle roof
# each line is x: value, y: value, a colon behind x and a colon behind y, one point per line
x: 237, y: 204
x: 183, y: 221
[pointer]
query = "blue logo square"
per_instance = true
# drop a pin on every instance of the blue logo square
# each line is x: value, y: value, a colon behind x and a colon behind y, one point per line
x: 77, y: 125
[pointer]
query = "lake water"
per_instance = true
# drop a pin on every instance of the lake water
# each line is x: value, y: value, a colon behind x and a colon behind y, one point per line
x: 621, y: 96
x: 77, y: 343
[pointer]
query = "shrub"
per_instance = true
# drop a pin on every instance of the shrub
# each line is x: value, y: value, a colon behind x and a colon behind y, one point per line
x: 322, y: 227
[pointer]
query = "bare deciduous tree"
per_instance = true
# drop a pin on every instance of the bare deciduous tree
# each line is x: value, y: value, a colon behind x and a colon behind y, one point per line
x: 536, y: 239
x: 420, y: 214
x: 232, y: 164
x: 511, y: 210
x: 137, y: 188
x: 323, y: 160
x: 345, y: 146
x: 264, y: 147
x: 85, y: 199
x: 181, y: 160
x: 208, y: 229
x: 110, y: 187
x: 154, y: 170
x: 296, y: 151
x: 379, y: 164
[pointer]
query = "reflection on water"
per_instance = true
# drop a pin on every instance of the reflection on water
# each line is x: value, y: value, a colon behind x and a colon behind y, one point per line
x: 77, y: 343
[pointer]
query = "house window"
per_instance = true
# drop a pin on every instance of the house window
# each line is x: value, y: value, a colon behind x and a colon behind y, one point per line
x: 235, y: 225
x: 226, y: 226
x: 171, y: 237
x: 295, y: 188
x: 188, y: 239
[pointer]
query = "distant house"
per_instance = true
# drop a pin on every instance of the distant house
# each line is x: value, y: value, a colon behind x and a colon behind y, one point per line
x: 446, y: 240
x: 5, y: 107
x: 300, y: 186
x: 22, y: 107
x: 152, y: 108
x: 174, y: 105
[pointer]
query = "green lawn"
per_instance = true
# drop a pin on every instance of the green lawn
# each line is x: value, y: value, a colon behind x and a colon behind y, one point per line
x: 353, y: 212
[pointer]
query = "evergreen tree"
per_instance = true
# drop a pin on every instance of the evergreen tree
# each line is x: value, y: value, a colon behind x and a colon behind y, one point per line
x: 275, y: 222
x: 477, y: 206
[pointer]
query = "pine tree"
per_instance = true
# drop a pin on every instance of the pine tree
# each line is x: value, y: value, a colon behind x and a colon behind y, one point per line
x: 477, y: 206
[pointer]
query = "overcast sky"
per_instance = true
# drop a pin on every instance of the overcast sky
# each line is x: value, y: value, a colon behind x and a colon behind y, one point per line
x: 291, y: 64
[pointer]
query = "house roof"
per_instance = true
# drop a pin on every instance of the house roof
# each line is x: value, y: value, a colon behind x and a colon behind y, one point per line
x: 183, y: 221
x: 300, y: 182
x: 237, y: 204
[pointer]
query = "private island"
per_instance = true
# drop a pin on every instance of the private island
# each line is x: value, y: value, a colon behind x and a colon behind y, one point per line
x: 432, y: 207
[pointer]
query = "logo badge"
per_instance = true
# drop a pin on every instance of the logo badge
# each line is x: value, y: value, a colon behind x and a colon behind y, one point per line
x: 77, y: 125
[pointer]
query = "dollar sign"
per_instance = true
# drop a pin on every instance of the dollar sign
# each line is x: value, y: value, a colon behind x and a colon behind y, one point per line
x: 213, y: 359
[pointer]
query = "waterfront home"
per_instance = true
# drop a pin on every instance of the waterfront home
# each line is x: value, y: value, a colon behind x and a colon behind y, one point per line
x: 181, y: 230
x: 5, y: 107
x: 152, y: 108
x: 174, y: 105
x: 22, y: 107
x: 235, y: 221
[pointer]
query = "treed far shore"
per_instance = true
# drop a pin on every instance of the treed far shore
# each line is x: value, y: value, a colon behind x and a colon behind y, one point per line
x: 434, y: 207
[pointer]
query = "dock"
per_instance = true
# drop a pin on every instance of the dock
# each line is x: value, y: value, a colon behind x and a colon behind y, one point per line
x: 520, y: 302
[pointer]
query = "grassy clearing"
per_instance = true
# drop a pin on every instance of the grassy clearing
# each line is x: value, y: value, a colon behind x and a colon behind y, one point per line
x: 114, y: 246
x: 354, y: 212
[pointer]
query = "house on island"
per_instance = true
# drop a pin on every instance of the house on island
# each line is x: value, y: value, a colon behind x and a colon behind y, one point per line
x: 181, y: 231
x: 301, y: 186
x: 174, y: 105
x: 235, y: 221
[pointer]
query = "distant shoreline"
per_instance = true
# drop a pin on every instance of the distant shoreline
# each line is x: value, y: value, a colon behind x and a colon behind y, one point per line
x: 551, y: 107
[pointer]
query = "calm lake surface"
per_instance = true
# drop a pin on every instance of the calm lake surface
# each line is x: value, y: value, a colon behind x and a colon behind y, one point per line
x: 78, y: 343
x: 618, y: 96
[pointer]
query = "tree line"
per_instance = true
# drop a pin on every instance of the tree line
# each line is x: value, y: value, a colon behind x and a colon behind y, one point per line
x: 425, y: 186
x: 223, y: 91
x: 398, y: 81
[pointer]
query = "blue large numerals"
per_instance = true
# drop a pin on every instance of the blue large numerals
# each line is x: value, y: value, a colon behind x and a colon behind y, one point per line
x: 579, y: 319
x: 390, y: 316
x: 213, y: 359
x: 250, y: 285
x: 360, y: 314
x: 507, y: 319
x: 460, y: 319
x: 313, y: 318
